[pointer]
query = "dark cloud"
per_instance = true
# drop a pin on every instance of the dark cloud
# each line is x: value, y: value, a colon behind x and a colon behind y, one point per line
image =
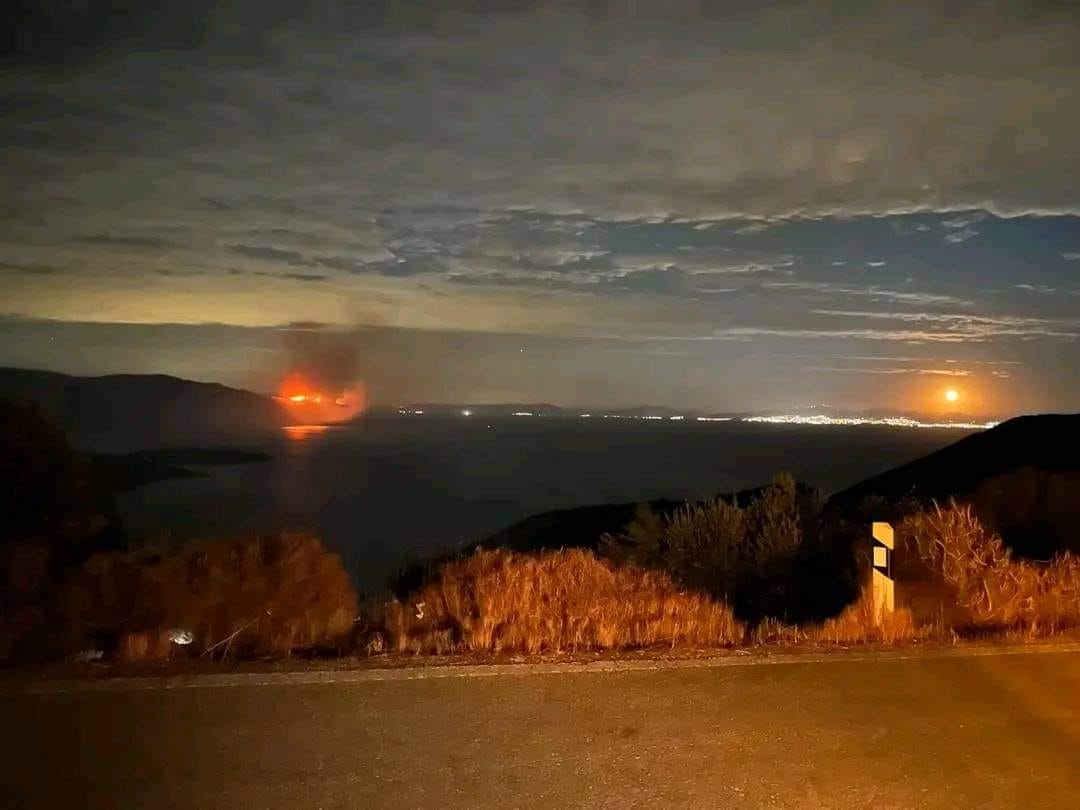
x: 30, y: 269
x: 346, y: 265
x: 294, y: 276
x: 270, y: 254
x: 148, y: 242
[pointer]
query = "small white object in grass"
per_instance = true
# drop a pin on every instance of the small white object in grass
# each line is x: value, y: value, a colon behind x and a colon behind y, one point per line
x: 420, y: 609
x: 181, y: 637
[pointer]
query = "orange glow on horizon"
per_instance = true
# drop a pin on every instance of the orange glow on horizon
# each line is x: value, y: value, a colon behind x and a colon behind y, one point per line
x: 980, y: 394
x: 952, y: 395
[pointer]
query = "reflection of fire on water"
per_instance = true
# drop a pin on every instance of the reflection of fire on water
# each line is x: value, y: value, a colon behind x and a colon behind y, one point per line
x: 302, y: 432
x: 310, y: 408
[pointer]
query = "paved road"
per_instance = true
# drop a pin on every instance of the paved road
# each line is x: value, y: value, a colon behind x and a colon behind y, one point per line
x: 847, y: 731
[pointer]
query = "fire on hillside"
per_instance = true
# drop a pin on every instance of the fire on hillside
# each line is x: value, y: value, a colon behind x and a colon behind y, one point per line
x: 307, y: 405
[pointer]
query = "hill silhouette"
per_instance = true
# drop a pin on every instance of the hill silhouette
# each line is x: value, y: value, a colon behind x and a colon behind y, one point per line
x: 1022, y: 477
x: 1048, y: 442
x: 129, y: 412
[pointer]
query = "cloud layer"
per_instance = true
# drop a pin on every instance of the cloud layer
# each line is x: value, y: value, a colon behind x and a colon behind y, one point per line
x: 704, y: 183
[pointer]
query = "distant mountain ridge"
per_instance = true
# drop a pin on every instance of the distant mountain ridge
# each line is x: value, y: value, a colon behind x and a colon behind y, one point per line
x: 129, y: 412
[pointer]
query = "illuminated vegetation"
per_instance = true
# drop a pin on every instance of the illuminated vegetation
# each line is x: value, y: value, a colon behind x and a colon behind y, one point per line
x: 264, y: 595
x: 499, y: 601
x: 955, y: 579
x: 977, y: 582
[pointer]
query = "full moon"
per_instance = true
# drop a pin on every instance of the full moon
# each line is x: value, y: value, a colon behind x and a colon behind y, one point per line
x: 952, y: 395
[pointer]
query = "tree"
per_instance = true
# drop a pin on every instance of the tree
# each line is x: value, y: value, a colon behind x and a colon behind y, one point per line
x: 45, y: 493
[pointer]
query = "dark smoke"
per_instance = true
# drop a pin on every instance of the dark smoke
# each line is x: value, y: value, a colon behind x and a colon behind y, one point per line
x: 329, y: 360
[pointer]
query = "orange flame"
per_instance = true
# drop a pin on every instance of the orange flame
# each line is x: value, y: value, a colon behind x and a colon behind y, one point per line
x: 308, y: 406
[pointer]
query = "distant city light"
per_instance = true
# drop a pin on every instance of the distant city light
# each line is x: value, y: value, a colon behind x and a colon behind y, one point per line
x: 890, y: 421
x: 814, y: 420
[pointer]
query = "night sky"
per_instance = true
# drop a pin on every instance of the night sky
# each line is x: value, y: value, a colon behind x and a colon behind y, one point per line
x: 750, y: 207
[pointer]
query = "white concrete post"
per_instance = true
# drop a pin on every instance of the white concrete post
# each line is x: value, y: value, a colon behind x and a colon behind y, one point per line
x: 884, y: 589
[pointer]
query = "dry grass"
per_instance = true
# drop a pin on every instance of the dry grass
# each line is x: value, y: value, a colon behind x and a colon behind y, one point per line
x: 855, y: 625
x: 499, y: 601
x: 981, y: 585
x: 256, y: 595
x: 954, y: 577
x: 275, y: 594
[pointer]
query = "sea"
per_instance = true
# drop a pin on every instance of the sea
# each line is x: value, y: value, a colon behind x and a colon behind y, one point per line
x: 389, y: 489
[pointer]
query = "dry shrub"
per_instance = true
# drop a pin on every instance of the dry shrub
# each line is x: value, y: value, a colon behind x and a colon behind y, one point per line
x: 149, y: 645
x: 499, y: 601
x: 255, y: 595
x: 856, y: 624
x: 978, y: 573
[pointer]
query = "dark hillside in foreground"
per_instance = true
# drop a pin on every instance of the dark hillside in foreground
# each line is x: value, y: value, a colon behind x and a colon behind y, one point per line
x: 568, y: 528
x: 1050, y: 442
x: 1022, y: 477
x: 128, y: 412
x: 576, y: 527
x: 584, y: 525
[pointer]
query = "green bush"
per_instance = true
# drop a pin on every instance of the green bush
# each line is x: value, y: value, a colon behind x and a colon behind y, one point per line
x: 708, y: 546
x: 747, y: 556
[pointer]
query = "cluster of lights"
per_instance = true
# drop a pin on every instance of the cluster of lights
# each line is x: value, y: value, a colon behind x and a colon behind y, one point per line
x: 890, y: 421
x: 635, y: 416
x: 781, y: 419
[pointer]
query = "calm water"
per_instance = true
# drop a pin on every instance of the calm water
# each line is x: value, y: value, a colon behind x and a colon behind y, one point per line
x: 389, y: 488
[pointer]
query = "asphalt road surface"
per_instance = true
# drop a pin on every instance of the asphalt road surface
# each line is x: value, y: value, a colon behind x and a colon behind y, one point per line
x: 998, y: 730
